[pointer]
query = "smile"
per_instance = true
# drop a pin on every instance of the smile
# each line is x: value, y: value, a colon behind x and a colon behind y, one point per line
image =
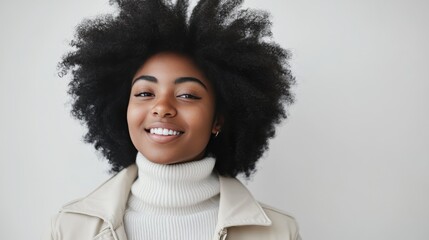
x: 164, y: 132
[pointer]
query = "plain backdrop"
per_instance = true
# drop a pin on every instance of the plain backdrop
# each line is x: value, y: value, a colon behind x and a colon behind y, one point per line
x: 351, y: 162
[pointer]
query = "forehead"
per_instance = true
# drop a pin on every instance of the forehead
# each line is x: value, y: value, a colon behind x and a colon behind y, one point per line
x: 167, y: 66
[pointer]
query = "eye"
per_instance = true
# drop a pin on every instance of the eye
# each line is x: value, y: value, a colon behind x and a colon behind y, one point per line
x: 144, y: 94
x: 188, y: 96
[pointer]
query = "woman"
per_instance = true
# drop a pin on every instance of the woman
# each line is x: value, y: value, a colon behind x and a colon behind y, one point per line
x: 179, y: 106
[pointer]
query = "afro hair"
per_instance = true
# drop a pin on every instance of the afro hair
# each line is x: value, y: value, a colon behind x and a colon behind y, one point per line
x: 231, y: 45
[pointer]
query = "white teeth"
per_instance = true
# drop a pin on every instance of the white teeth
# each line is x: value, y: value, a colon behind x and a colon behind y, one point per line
x: 163, y: 131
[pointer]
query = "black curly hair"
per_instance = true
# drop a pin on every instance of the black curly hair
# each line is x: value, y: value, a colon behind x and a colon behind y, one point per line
x: 233, y: 48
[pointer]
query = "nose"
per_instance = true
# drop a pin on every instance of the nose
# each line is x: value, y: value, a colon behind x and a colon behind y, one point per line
x: 164, y: 109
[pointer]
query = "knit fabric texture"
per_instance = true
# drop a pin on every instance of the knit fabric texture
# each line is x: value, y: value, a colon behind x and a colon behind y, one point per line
x: 178, y: 201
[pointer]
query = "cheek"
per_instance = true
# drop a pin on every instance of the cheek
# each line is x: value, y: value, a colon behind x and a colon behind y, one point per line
x: 202, y: 120
x: 135, y: 115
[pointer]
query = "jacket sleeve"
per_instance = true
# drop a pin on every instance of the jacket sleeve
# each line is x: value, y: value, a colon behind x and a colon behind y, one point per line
x: 48, y: 233
x: 297, y: 235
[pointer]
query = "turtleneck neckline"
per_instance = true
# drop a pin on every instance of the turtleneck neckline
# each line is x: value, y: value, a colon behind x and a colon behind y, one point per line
x: 190, y: 186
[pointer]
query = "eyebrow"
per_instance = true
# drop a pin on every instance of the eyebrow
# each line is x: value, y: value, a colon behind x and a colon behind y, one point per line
x: 177, y: 81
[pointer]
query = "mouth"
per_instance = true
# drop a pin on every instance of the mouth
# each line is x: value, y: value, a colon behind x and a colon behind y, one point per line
x: 163, y: 132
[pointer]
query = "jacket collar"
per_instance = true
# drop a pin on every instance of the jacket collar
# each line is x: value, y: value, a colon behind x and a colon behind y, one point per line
x: 237, y: 206
x: 108, y: 202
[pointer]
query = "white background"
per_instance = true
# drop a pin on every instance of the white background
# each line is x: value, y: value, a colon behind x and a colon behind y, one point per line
x: 351, y: 162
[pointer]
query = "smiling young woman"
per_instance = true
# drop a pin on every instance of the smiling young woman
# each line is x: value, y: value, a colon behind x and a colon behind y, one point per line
x: 171, y: 112
x: 179, y: 105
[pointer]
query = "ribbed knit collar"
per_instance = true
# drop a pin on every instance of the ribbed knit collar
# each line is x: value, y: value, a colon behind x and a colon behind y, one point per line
x: 187, y: 186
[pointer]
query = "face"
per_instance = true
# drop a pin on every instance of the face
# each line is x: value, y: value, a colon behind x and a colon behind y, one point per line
x: 171, y: 111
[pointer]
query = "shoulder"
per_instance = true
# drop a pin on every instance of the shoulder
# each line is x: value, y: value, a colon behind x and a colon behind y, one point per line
x: 277, y: 214
x: 280, y: 218
x: 249, y: 219
x: 65, y: 225
x: 92, y: 216
x: 283, y: 226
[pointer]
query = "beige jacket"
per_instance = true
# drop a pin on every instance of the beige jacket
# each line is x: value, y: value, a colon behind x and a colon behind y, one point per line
x: 99, y: 216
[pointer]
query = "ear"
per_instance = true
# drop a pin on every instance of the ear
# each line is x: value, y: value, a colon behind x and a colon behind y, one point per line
x: 217, y: 124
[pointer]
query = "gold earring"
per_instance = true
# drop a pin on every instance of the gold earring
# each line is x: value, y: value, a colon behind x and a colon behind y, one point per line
x: 217, y: 133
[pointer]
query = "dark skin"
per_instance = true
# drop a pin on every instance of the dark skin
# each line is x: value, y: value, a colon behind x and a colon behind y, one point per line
x: 171, y: 111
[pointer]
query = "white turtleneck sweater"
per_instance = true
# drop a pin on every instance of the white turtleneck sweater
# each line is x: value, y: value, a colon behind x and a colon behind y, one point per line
x: 179, y: 201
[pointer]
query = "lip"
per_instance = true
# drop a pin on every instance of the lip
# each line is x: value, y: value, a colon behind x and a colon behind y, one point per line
x: 163, y: 138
